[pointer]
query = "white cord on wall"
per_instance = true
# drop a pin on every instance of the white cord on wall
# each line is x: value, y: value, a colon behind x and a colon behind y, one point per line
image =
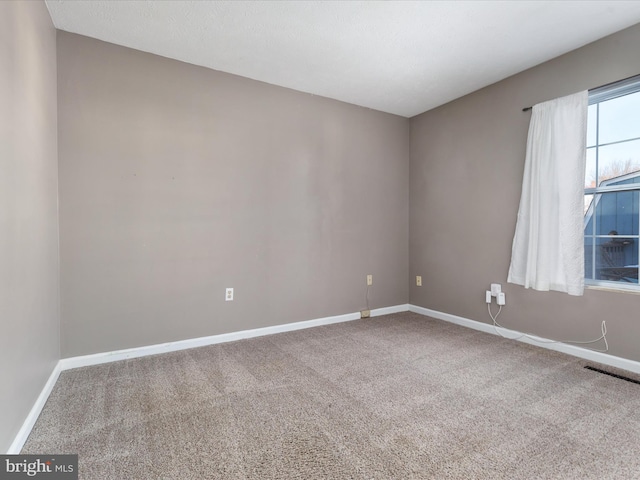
x: 366, y: 297
x: 540, y: 340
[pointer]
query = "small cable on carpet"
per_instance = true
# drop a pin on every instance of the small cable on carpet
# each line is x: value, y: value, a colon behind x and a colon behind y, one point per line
x: 540, y: 340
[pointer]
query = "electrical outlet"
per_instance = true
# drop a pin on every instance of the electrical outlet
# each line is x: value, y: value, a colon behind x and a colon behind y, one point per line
x: 228, y: 297
x: 418, y: 280
x: 369, y: 279
x: 365, y: 313
x: 496, y: 288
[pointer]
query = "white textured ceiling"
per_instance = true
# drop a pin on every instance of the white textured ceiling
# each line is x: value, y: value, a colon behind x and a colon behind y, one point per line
x: 402, y: 57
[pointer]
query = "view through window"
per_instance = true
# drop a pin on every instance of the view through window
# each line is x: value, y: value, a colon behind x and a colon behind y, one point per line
x: 612, y: 185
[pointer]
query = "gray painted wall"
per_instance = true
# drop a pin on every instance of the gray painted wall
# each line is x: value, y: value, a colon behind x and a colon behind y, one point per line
x: 467, y: 161
x: 177, y: 181
x: 29, y: 309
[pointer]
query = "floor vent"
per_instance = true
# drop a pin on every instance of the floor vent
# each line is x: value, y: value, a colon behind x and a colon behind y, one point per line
x: 621, y: 377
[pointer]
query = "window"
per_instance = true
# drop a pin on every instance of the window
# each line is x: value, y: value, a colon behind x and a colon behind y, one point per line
x: 612, y: 186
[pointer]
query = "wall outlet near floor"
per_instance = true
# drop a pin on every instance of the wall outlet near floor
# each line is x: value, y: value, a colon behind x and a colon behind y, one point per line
x: 228, y: 296
x: 418, y: 280
x: 365, y: 313
x: 369, y: 279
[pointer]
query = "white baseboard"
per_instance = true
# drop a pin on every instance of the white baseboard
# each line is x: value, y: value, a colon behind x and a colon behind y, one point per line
x: 106, y: 357
x: 30, y: 421
x: 585, y: 353
x: 389, y: 310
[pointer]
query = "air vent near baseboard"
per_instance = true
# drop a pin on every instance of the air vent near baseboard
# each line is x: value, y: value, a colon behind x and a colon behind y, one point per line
x: 621, y: 377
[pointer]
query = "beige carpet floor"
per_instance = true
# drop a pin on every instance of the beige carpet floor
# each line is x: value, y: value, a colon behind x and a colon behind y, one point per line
x: 394, y: 397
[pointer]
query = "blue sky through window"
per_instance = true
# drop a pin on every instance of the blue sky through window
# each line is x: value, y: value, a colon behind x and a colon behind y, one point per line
x: 619, y: 120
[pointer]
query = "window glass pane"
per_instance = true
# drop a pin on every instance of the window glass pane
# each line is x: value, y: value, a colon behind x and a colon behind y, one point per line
x: 612, y: 219
x: 616, y: 260
x: 620, y: 118
x: 617, y: 213
x: 618, y: 160
x: 590, y: 172
x: 588, y: 199
x: 589, y: 243
x: 592, y: 125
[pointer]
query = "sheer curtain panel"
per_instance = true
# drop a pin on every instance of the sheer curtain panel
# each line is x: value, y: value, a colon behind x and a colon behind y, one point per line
x: 548, y: 246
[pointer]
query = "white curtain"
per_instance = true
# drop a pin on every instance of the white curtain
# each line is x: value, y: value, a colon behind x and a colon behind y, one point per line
x: 548, y: 246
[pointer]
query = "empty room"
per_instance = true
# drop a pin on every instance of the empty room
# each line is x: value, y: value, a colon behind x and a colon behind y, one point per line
x: 319, y: 239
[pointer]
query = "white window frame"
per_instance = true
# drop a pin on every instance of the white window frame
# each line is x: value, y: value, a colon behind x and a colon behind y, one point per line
x: 596, y: 96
